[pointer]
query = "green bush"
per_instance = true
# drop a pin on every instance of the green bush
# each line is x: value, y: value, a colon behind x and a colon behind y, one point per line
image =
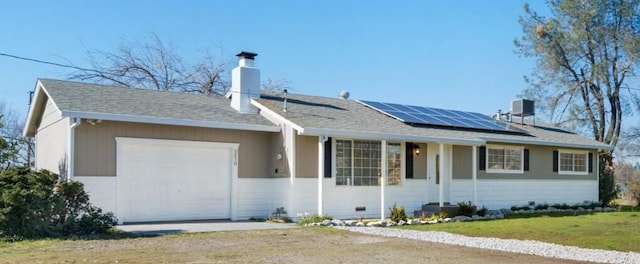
x: 467, y: 208
x: 312, y: 218
x: 37, y: 204
x: 397, y: 213
x: 483, y: 211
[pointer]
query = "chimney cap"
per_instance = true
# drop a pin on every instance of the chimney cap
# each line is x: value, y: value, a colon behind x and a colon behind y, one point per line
x: 247, y: 55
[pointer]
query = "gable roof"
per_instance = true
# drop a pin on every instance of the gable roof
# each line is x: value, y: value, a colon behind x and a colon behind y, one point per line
x: 95, y: 101
x: 315, y: 115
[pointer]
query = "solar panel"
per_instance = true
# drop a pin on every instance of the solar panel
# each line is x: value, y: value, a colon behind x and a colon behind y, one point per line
x: 440, y: 117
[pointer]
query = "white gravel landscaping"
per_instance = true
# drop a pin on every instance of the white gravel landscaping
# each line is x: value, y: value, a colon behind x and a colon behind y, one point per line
x: 510, y: 245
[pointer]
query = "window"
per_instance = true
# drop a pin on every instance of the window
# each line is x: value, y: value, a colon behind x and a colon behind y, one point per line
x: 394, y: 164
x: 505, y: 159
x: 573, y: 162
x: 358, y: 162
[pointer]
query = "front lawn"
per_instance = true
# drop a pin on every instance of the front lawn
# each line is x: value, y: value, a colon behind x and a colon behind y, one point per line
x: 611, y: 231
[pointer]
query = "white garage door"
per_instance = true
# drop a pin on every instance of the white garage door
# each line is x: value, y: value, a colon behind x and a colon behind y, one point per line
x: 161, y: 180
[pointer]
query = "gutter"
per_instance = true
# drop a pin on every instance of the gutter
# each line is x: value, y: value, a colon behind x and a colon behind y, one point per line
x: 71, y: 148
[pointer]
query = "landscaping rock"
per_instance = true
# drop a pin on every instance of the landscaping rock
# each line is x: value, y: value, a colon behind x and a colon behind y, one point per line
x: 374, y: 224
x: 359, y: 224
x: 326, y: 222
x: 402, y: 222
x: 476, y: 217
x: 337, y: 222
x: 414, y: 221
x: 461, y: 218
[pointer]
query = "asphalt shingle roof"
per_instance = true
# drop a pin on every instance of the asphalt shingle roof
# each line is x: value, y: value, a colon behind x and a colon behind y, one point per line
x: 113, y: 100
x: 351, y: 116
x: 308, y: 112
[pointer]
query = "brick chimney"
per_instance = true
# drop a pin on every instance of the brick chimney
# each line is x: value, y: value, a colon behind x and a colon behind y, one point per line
x: 245, y: 83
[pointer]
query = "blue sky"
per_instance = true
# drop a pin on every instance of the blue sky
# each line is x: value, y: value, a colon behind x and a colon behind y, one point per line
x: 446, y: 54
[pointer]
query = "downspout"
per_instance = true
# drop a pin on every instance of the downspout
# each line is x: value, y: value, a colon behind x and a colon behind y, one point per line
x: 321, y: 150
x: 71, y: 148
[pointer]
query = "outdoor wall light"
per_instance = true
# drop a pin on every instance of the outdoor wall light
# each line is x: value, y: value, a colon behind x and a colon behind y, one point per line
x: 279, y: 156
x: 416, y: 149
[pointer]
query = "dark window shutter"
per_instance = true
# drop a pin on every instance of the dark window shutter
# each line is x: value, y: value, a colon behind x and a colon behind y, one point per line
x: 526, y: 160
x: 409, y: 160
x: 482, y: 163
x: 555, y: 161
x: 590, y: 162
x: 327, y: 158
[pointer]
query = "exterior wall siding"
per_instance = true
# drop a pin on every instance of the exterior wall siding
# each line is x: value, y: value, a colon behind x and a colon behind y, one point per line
x: 497, y: 194
x: 96, y: 147
x: 540, y: 165
x: 306, y: 157
x: 260, y: 197
x: 420, y: 163
x: 52, y: 140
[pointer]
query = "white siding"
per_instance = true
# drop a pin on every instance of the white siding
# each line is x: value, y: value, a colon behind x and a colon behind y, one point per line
x: 496, y: 194
x: 101, y: 190
x: 52, y: 140
x: 260, y: 197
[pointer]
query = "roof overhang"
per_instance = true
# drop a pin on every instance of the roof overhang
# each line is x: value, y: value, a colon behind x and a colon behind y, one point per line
x: 36, y: 106
x: 387, y: 136
x: 170, y: 121
x: 549, y: 143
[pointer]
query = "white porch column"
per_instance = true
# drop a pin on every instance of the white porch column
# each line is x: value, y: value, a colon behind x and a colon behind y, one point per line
x: 474, y: 172
x: 383, y: 178
x: 321, y: 141
x: 442, y: 175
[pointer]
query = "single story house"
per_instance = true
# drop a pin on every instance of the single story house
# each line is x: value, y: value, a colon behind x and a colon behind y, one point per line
x: 150, y: 155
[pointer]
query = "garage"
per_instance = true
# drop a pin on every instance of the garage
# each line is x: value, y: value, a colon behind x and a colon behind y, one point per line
x: 168, y: 180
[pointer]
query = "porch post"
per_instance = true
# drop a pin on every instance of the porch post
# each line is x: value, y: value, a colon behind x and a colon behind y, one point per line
x: 474, y: 172
x: 383, y: 177
x: 442, y: 174
x: 321, y: 141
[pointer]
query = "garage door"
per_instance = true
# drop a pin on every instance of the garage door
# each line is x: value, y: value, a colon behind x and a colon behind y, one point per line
x: 162, y: 180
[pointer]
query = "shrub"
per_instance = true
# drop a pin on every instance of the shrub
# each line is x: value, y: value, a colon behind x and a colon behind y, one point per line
x: 467, y: 209
x: 37, y: 204
x: 397, y: 213
x: 543, y: 206
x: 483, y: 211
x: 312, y: 218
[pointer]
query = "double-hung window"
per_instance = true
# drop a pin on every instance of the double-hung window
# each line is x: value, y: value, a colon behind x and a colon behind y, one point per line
x: 358, y: 162
x: 573, y: 162
x: 505, y: 159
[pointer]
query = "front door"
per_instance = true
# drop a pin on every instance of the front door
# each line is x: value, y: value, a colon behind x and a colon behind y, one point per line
x: 433, y: 172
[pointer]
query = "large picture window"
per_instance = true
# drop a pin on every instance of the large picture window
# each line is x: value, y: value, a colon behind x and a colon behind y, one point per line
x: 573, y: 162
x: 505, y: 159
x: 358, y: 162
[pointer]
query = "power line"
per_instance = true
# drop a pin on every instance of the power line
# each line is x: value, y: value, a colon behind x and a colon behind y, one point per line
x: 47, y: 62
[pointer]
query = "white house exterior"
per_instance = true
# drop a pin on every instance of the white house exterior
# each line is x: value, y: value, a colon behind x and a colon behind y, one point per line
x: 158, y: 156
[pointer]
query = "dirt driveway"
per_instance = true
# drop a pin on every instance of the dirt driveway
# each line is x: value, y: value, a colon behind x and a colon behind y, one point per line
x: 294, y: 245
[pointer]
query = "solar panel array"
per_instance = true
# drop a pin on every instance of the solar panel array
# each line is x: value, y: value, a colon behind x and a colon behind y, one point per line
x: 440, y: 117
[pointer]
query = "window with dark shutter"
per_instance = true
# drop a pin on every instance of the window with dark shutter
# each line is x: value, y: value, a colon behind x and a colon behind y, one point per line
x: 555, y: 161
x: 482, y: 163
x: 327, y: 158
x: 526, y: 160
x: 409, y: 160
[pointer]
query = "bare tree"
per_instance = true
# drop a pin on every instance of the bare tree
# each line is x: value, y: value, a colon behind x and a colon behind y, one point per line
x: 586, y: 54
x: 15, y: 150
x: 154, y: 65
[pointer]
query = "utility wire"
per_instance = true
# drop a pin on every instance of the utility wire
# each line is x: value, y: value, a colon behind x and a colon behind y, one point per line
x: 47, y: 62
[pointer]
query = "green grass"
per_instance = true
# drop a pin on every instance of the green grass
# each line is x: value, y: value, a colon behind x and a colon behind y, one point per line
x: 611, y: 231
